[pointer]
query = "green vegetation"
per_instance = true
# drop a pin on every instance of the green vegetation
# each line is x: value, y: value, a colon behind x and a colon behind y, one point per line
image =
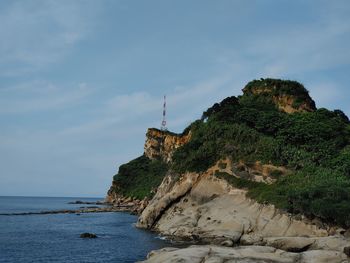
x: 315, y: 145
x: 278, y: 87
x: 238, y: 182
x: 140, y: 177
x: 312, y: 191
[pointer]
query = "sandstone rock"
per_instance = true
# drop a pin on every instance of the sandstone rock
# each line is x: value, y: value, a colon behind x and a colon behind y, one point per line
x: 249, y: 254
x: 227, y: 243
x: 323, y: 256
x: 252, y: 239
x: 291, y: 244
x: 215, y: 211
x: 347, y: 233
x: 336, y: 243
x: 285, y: 102
x: 202, y: 207
x: 161, y: 144
x: 161, y: 202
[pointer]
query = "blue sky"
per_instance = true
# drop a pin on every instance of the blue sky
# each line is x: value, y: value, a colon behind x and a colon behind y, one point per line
x: 81, y: 81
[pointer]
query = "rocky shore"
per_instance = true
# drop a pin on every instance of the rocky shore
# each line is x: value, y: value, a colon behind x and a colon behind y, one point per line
x: 242, y: 254
x: 82, y: 210
x: 200, y: 207
x: 134, y: 205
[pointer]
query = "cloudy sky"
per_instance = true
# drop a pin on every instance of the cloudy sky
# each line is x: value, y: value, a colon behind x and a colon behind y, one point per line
x: 80, y: 81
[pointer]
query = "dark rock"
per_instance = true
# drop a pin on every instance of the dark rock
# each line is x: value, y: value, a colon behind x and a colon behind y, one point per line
x: 347, y: 251
x: 78, y: 202
x: 347, y: 233
x: 88, y: 235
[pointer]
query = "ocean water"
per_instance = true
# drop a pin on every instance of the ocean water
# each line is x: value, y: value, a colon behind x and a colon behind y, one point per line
x: 55, y: 238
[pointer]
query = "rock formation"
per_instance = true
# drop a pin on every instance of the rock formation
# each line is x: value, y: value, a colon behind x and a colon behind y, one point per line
x: 201, y: 207
x: 208, y: 208
x: 251, y: 254
x: 117, y: 200
x: 161, y: 144
x: 288, y: 100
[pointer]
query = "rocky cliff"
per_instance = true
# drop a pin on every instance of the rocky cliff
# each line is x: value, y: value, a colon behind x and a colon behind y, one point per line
x: 289, y: 96
x: 247, y: 174
x: 159, y: 146
x: 201, y: 207
x: 162, y: 144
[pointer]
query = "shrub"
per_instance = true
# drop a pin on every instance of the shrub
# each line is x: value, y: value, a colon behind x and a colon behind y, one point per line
x: 237, y: 182
x: 139, y: 177
x: 278, y: 87
x: 313, y: 191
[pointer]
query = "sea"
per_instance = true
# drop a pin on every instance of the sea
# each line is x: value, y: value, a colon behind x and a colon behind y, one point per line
x: 56, y: 237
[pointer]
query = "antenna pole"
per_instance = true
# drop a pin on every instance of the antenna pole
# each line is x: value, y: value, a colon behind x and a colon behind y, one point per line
x: 163, y: 126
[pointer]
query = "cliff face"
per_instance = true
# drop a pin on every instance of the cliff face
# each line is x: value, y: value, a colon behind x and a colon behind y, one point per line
x: 203, y: 194
x: 162, y: 144
x: 159, y: 145
x: 285, y: 102
x: 202, y: 207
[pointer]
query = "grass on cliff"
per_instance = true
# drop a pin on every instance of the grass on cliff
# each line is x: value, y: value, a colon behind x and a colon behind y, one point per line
x: 278, y: 87
x: 315, y: 145
x: 140, y: 177
x: 314, y: 192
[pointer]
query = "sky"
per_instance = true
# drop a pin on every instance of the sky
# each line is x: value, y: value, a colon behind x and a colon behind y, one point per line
x: 81, y: 81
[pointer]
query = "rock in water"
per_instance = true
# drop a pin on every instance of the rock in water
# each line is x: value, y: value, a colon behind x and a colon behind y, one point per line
x: 88, y: 235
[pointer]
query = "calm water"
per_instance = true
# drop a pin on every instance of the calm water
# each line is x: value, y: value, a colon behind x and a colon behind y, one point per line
x: 55, y: 238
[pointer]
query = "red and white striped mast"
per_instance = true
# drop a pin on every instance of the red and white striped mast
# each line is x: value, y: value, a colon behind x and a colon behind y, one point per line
x: 163, y: 126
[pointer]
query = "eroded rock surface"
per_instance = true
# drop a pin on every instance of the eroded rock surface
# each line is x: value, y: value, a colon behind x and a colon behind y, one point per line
x: 288, y: 103
x: 251, y: 254
x: 202, y: 207
x: 162, y: 144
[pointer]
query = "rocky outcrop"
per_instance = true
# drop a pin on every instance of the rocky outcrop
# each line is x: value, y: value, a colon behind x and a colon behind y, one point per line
x: 251, y: 254
x: 288, y: 103
x: 162, y: 144
x: 129, y: 204
x: 88, y: 235
x: 202, y: 207
x: 112, y: 195
x: 255, y: 171
x: 133, y: 205
x: 159, y: 145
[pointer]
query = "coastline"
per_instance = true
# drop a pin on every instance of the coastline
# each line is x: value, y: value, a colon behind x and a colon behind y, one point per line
x: 23, y: 238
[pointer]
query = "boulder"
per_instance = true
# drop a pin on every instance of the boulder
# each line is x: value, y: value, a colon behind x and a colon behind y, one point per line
x: 88, y: 235
x: 243, y: 254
